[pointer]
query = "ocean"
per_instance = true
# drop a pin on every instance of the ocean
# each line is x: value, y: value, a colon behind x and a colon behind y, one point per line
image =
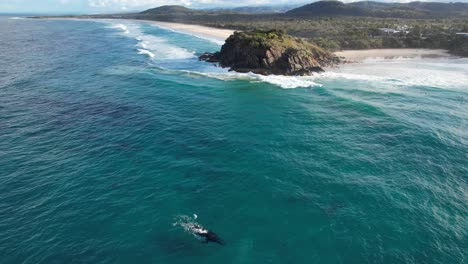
x: 111, y: 132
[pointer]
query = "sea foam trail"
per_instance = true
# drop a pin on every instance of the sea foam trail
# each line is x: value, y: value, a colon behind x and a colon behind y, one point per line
x: 285, y: 82
x: 154, y: 47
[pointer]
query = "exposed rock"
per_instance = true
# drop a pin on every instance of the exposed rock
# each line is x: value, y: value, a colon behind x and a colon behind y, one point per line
x: 271, y: 52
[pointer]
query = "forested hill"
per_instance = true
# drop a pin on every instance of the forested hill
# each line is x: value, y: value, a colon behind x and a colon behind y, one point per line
x: 174, y: 10
x: 336, y: 8
x: 259, y: 8
x: 384, y: 10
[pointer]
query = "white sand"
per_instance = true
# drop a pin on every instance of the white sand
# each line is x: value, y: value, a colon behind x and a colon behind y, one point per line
x: 359, y: 55
x: 220, y: 34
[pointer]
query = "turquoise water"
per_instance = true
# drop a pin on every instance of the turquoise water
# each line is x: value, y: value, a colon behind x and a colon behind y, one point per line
x: 111, y: 130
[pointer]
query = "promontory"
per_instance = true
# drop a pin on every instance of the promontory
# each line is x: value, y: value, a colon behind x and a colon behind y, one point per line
x: 271, y: 52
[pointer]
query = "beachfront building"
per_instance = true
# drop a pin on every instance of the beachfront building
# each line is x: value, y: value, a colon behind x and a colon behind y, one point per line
x: 399, y: 29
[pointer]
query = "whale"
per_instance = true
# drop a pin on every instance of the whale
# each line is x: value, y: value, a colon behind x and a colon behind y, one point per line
x: 197, y: 230
x: 206, y: 235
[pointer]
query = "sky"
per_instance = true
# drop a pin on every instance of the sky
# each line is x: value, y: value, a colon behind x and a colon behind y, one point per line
x: 112, y: 6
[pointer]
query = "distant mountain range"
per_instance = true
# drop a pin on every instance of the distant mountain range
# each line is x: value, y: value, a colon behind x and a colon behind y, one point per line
x: 380, y: 9
x: 334, y: 8
x: 174, y: 9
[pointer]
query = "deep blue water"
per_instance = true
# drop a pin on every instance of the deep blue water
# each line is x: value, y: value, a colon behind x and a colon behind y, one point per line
x: 103, y: 148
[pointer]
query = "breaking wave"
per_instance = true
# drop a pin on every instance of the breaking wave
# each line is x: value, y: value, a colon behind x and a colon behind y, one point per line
x: 154, y: 47
x: 447, y: 73
x: 147, y: 52
x: 285, y: 82
x: 370, y: 80
x: 290, y: 82
x: 121, y: 27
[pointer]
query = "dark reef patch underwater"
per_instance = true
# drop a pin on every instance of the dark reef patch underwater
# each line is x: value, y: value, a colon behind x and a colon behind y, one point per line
x: 109, y: 129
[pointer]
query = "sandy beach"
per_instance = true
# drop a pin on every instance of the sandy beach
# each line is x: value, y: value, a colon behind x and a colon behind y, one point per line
x: 220, y: 34
x: 359, y: 55
x: 351, y: 55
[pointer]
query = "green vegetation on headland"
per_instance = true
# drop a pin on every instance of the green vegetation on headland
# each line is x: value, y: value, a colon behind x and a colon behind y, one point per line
x: 336, y: 26
x: 338, y: 33
x: 271, y: 52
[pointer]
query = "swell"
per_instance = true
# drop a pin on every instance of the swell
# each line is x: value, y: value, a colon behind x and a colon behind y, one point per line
x: 154, y: 47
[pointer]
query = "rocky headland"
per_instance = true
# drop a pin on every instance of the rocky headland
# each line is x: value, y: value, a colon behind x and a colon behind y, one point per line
x: 271, y: 52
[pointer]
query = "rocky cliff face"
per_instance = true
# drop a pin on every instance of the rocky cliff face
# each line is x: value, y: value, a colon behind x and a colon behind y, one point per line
x: 271, y: 52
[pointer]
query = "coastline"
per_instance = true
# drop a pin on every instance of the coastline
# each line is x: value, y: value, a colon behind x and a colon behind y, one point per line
x: 350, y: 56
x: 217, y: 33
x: 360, y: 55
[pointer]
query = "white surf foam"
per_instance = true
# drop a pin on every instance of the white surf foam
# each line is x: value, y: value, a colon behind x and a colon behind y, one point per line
x: 17, y: 18
x: 447, y: 73
x: 285, y: 82
x: 290, y: 82
x: 189, y: 225
x: 154, y: 47
x: 161, y: 48
x: 122, y: 27
x: 147, y: 52
x: 352, y: 76
x: 382, y: 77
x: 373, y: 77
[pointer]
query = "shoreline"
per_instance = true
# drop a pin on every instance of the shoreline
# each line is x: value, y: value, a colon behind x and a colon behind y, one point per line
x: 350, y: 56
x: 361, y: 55
x: 197, y: 30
